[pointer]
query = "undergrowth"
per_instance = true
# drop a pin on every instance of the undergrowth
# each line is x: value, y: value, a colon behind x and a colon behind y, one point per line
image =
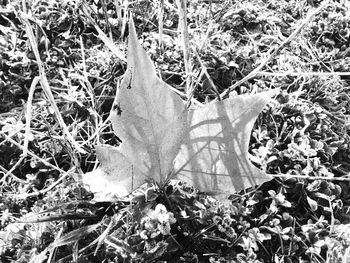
x: 302, y: 137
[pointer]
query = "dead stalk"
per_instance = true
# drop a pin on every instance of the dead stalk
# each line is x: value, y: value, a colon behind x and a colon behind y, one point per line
x: 308, y: 177
x: 46, y: 86
x: 27, y: 129
x: 181, y: 7
x: 302, y: 74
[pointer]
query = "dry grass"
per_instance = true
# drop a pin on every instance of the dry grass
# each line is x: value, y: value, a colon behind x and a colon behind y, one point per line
x: 61, y: 64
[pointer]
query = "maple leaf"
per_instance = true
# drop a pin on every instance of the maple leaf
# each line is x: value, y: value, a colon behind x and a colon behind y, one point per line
x: 150, y: 119
x: 162, y: 140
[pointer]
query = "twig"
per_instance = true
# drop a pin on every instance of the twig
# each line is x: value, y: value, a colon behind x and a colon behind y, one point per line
x: 98, y: 129
x: 86, y: 83
x: 64, y: 173
x: 307, y: 46
x: 82, y: 57
x: 10, y: 172
x: 29, y: 114
x: 46, y: 86
x: 5, y: 171
x: 211, y: 82
x: 43, y: 191
x: 114, y: 220
x: 160, y: 24
x: 109, y: 27
x: 195, y: 85
x: 301, y: 74
x: 33, y: 154
x: 27, y: 129
x: 181, y: 6
x: 23, y: 129
x: 125, y: 18
x: 308, y: 177
x: 49, y: 218
x: 14, y: 167
x: 273, y: 52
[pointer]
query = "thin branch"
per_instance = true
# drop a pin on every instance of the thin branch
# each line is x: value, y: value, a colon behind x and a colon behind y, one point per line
x: 205, y: 70
x: 17, y: 179
x: 33, y: 154
x: 308, y: 177
x: 42, y: 191
x: 160, y: 24
x: 301, y: 74
x: 182, y: 11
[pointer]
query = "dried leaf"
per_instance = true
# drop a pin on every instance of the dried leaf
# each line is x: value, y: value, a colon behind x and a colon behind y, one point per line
x: 161, y: 140
x: 150, y: 119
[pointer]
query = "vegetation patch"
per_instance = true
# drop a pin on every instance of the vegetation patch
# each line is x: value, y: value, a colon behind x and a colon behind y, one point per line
x: 66, y: 86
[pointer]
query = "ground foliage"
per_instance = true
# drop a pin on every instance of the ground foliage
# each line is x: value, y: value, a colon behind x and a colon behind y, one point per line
x: 305, y: 132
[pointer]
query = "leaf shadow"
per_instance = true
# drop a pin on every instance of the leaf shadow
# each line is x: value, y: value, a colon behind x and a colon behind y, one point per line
x: 217, y: 149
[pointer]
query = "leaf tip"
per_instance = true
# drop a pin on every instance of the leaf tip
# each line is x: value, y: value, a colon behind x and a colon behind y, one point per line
x: 132, y: 31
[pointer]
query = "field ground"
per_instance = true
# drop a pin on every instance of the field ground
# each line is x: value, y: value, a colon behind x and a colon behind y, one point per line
x: 301, y: 47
